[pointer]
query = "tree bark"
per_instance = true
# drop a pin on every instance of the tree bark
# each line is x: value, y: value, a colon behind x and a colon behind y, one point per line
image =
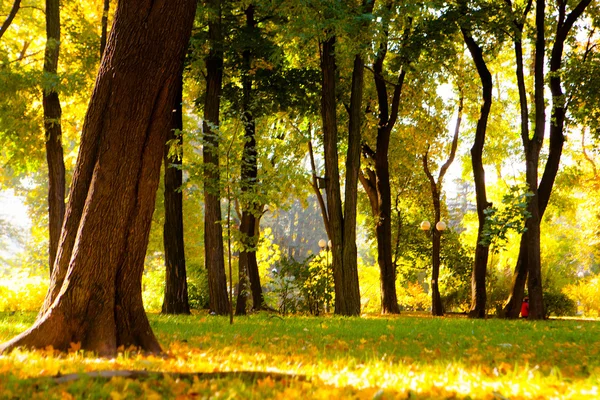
x: 213, y: 231
x: 512, y: 308
x: 9, y: 19
x: 176, y: 292
x: 315, y: 186
x: 478, y: 293
x: 342, y: 218
x: 248, y: 265
x: 104, y: 27
x: 53, y: 130
x: 351, y: 299
x: 332, y: 174
x: 543, y: 191
x: 437, y: 307
x: 95, y: 295
x: 377, y: 184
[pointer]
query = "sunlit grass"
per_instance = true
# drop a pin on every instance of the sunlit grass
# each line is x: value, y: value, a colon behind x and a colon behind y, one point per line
x: 341, y: 357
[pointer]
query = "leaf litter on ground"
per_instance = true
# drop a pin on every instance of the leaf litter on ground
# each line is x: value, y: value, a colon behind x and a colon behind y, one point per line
x: 406, y: 356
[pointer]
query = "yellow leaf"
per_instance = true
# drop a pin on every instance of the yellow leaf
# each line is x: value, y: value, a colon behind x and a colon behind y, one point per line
x: 75, y: 347
x: 115, y: 396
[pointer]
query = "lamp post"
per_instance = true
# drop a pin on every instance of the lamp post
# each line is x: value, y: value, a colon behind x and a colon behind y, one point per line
x: 436, y: 232
x: 326, y: 245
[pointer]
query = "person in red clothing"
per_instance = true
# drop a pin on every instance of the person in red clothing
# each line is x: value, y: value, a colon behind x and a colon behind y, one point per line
x: 525, y: 308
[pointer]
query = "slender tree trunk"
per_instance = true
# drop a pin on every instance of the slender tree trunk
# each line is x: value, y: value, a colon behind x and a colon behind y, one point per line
x: 564, y: 25
x: 53, y: 130
x: 349, y: 263
x: 377, y: 183
x: 532, y: 153
x: 478, y: 302
x: 176, y: 293
x: 342, y: 224
x: 213, y: 231
x: 437, y: 308
x: 248, y: 265
x: 383, y: 229
x: 11, y: 15
x: 512, y: 307
x: 332, y: 175
x: 95, y: 295
x: 104, y: 28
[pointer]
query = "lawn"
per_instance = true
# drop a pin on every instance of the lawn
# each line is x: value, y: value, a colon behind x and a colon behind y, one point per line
x: 266, y: 356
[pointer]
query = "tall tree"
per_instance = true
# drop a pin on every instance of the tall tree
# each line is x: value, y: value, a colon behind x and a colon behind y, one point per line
x: 213, y: 231
x: 176, y: 293
x: 478, y: 304
x: 436, y: 190
x: 377, y: 183
x: 53, y: 129
x: 342, y: 217
x: 248, y: 265
x: 528, y: 266
x: 95, y: 293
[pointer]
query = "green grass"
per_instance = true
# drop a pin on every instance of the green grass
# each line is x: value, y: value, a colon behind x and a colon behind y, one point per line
x: 410, y: 356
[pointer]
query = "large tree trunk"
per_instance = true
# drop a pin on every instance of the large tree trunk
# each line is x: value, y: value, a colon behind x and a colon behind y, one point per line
x: 345, y: 274
x: 213, y: 231
x: 478, y: 295
x: 95, y: 295
x: 53, y: 130
x: 176, y: 293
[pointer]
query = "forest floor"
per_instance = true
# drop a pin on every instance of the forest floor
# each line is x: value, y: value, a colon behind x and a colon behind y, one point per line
x: 268, y: 356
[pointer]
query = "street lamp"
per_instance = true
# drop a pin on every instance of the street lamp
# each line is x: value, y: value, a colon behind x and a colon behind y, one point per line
x: 326, y: 245
x: 436, y: 300
x: 440, y: 226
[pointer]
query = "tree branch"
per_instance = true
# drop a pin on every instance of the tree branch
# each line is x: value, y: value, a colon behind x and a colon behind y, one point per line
x: 445, y: 167
x: 315, y: 186
x: 11, y: 16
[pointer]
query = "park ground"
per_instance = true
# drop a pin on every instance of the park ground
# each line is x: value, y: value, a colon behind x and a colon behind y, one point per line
x: 268, y: 356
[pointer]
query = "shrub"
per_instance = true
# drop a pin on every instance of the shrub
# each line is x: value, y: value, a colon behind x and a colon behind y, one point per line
x: 586, y: 293
x: 198, y: 291
x: 153, y: 288
x: 302, y: 286
x: 21, y: 292
x: 414, y: 298
x: 559, y: 304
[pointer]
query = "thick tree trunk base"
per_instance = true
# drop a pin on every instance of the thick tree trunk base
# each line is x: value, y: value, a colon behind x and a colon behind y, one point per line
x: 99, y: 335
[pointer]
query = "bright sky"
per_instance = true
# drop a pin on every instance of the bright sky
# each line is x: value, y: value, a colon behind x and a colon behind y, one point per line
x: 14, y: 212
